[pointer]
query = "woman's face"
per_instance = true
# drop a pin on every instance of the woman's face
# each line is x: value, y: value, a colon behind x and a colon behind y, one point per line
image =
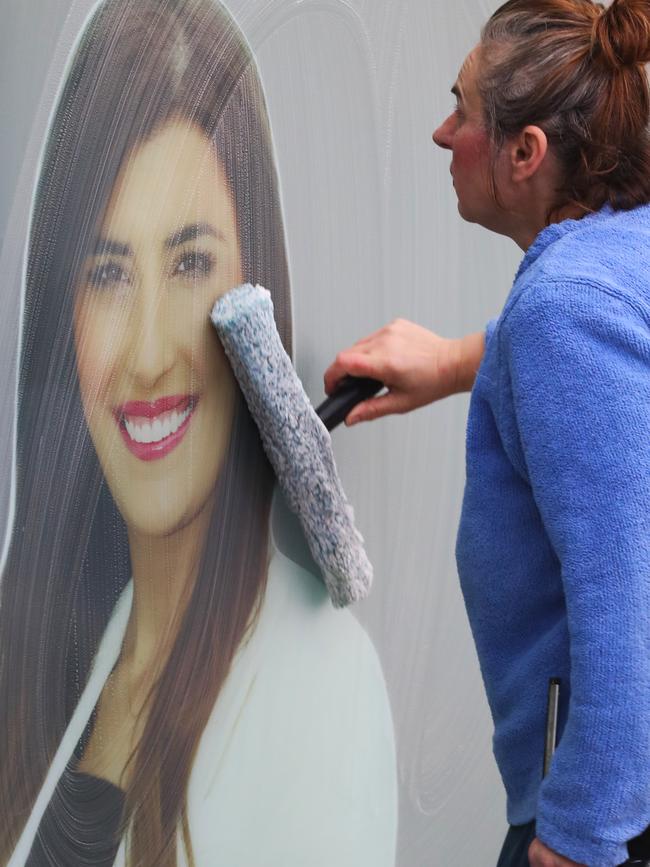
x: 464, y: 134
x: 157, y: 390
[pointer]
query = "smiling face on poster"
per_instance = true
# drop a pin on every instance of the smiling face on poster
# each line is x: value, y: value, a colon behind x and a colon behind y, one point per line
x: 166, y: 250
x: 174, y: 688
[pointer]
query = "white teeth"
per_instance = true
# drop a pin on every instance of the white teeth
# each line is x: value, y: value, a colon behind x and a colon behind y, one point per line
x: 148, y: 432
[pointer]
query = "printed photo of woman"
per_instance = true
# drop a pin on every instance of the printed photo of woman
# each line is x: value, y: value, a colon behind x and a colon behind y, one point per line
x: 174, y: 689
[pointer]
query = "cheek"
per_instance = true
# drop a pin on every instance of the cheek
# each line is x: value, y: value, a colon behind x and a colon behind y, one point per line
x: 470, y: 151
x: 96, y: 351
x: 212, y: 377
x: 218, y: 377
x: 209, y: 368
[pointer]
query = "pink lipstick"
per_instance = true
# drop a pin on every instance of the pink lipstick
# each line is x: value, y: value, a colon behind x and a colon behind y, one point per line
x: 152, y: 429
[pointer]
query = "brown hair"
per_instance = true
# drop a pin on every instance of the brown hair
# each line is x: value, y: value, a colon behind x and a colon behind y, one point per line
x: 139, y: 64
x: 576, y: 70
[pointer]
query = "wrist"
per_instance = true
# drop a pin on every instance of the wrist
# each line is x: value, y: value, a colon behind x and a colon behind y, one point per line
x: 467, y: 353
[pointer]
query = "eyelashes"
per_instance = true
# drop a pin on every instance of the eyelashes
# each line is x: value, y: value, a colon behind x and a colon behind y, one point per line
x: 113, y: 274
x: 195, y: 264
x: 107, y: 274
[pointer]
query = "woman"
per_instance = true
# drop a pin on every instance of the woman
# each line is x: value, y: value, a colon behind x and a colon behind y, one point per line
x: 550, y: 146
x: 173, y: 690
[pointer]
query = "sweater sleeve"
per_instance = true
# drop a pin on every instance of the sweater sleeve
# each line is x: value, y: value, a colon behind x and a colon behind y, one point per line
x: 578, y: 359
x: 489, y: 329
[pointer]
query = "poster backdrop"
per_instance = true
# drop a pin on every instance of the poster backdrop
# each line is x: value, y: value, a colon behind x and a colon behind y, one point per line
x: 165, y: 656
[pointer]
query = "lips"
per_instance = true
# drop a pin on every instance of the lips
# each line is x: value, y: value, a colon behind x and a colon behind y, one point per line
x: 152, y: 429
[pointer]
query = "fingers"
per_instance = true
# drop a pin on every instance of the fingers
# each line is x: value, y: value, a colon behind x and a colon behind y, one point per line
x: 350, y: 363
x: 376, y: 407
x: 385, y: 354
x: 364, y: 358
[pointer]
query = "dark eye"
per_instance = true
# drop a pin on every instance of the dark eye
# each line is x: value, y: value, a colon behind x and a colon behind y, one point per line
x: 107, y: 274
x: 195, y: 265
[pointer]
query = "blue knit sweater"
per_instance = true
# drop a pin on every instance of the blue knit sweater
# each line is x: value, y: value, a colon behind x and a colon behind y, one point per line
x: 553, y: 546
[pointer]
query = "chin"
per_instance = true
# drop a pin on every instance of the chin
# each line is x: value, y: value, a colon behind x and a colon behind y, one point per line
x: 158, y: 524
x: 477, y: 217
x: 466, y: 214
x: 162, y: 522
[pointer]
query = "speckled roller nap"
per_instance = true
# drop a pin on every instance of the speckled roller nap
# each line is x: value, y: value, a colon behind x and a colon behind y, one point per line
x: 296, y: 441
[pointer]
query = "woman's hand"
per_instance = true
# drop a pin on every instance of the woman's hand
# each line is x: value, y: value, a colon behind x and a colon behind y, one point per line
x: 416, y: 366
x: 540, y: 855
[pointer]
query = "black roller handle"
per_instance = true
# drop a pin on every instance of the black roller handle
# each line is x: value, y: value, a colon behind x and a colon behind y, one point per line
x: 350, y: 391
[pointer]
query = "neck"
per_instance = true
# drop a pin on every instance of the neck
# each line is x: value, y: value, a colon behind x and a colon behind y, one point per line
x: 533, y: 208
x: 524, y: 230
x: 164, y: 571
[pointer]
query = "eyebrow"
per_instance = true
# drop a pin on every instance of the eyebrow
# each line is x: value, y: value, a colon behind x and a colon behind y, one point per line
x: 191, y: 232
x: 107, y: 246
x: 111, y: 247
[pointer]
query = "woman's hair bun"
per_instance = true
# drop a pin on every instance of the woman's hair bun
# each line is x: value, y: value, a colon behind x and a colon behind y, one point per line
x: 621, y: 34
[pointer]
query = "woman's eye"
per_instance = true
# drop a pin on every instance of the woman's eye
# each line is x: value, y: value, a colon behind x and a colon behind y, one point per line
x: 195, y: 265
x: 107, y: 274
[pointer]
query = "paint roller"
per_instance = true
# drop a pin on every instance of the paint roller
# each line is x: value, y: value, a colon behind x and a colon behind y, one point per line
x: 296, y: 437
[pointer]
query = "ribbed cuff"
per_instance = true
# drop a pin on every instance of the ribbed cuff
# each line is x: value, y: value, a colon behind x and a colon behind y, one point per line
x: 595, y: 853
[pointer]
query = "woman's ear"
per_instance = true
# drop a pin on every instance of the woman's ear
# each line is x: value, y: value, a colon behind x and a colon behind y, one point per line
x: 527, y: 152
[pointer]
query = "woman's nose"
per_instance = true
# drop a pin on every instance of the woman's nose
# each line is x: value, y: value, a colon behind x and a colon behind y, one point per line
x: 150, y: 352
x: 443, y: 136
